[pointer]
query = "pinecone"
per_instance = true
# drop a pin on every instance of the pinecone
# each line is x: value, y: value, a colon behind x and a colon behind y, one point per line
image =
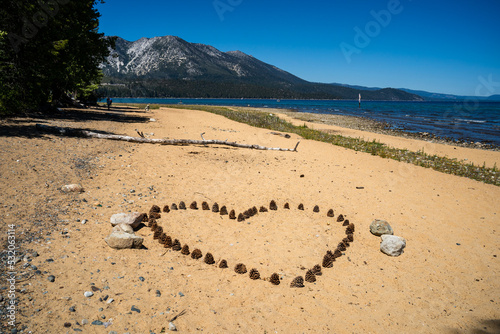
x: 246, y: 214
x: 176, y: 246
x: 154, y: 215
x: 163, y: 238
x: 185, y: 250
x: 262, y: 209
x: 346, y: 222
x: 232, y: 215
x: 337, y: 253
x: 349, y: 229
x: 301, y: 206
x: 194, y: 206
x: 144, y: 217
x: 249, y: 212
x: 328, y: 261
x: 255, y: 211
x: 350, y: 237
x: 166, y: 209
x: 215, y: 207
x: 205, y: 206
x: 330, y: 213
x: 298, y: 282
x: 316, y: 208
x: 196, y: 254
x: 223, y: 211
x: 346, y: 241
x: 157, y: 235
x: 153, y: 226
x: 287, y: 206
x: 168, y: 242
x: 209, y: 258
x: 223, y: 264
x: 341, y: 246
x: 155, y: 208
x: 273, y: 206
x: 173, y: 206
x: 275, y: 279
x: 240, y: 268
x: 151, y: 221
x: 317, y: 270
x: 241, y: 217
x: 340, y: 218
x: 159, y: 229
x: 310, y: 277
x: 182, y: 205
x: 254, y: 274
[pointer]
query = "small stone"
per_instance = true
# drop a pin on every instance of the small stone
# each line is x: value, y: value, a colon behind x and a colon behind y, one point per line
x: 135, y: 309
x: 51, y: 278
x: 67, y: 324
x: 181, y: 294
x: 392, y: 245
x: 171, y: 327
x: 122, y: 240
x: 158, y: 293
x: 88, y: 294
x: 133, y: 219
x: 141, y: 279
x: 84, y: 221
x: 380, y: 227
x: 124, y: 228
x: 110, y: 300
x: 85, y: 321
x: 72, y: 188
x: 72, y: 309
x: 97, y: 323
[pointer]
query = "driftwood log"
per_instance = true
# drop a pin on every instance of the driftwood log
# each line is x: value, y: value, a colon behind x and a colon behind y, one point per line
x: 71, y: 132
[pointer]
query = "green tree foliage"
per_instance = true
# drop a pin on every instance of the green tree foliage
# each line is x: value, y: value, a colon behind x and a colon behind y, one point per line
x: 48, y: 48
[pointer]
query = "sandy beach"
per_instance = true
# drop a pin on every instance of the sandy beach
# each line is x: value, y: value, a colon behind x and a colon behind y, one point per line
x: 446, y: 281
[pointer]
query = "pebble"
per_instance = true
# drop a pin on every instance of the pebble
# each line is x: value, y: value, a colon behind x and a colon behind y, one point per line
x: 141, y: 279
x: 97, y: 322
x: 110, y: 300
x: 88, y: 293
x: 72, y: 309
x: 135, y: 309
x: 181, y: 294
x: 171, y: 327
x: 51, y: 278
x: 85, y: 321
x: 84, y: 221
x: 158, y: 293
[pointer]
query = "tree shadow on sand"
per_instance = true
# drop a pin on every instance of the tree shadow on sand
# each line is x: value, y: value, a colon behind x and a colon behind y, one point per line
x: 486, y: 327
x: 24, y: 126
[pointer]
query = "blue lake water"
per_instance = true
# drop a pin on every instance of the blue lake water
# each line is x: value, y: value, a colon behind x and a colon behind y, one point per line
x: 462, y: 120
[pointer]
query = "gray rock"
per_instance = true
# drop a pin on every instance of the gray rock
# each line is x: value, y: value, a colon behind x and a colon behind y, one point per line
x: 124, y: 228
x: 85, y: 321
x: 135, y: 309
x: 110, y: 300
x: 51, y: 278
x: 380, y: 227
x: 392, y: 245
x: 171, y: 327
x: 72, y: 188
x: 133, y: 219
x: 123, y: 240
x: 88, y: 294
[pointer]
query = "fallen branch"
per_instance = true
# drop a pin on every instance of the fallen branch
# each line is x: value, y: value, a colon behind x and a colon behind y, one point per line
x: 90, y: 134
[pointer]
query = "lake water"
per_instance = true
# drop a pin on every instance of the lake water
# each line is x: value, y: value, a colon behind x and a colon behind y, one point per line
x: 463, y: 120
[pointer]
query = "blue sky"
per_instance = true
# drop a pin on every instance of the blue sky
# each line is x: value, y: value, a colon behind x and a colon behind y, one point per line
x: 439, y: 46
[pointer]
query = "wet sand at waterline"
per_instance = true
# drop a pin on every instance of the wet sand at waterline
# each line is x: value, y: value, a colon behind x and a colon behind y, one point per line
x: 446, y: 281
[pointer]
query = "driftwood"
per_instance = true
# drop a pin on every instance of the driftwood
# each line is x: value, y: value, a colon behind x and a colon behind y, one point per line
x: 90, y: 134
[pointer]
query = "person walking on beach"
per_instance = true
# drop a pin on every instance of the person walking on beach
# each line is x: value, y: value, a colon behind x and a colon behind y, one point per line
x: 109, y: 101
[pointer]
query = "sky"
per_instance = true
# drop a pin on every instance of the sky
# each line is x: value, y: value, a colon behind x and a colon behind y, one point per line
x: 450, y: 47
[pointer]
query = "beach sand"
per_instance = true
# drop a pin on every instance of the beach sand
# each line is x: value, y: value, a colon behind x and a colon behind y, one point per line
x: 446, y: 281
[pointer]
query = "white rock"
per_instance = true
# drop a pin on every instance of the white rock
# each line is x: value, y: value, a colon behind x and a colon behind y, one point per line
x: 171, y: 327
x: 88, y: 294
x: 110, y: 300
x: 392, y: 245
x: 72, y: 188
x: 133, y: 219
x: 152, y: 120
x: 122, y: 240
x: 124, y: 228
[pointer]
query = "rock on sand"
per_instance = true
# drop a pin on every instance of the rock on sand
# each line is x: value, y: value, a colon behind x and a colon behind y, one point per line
x: 392, y: 245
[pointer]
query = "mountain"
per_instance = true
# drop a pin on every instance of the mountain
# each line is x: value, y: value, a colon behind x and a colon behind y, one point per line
x: 169, y: 66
